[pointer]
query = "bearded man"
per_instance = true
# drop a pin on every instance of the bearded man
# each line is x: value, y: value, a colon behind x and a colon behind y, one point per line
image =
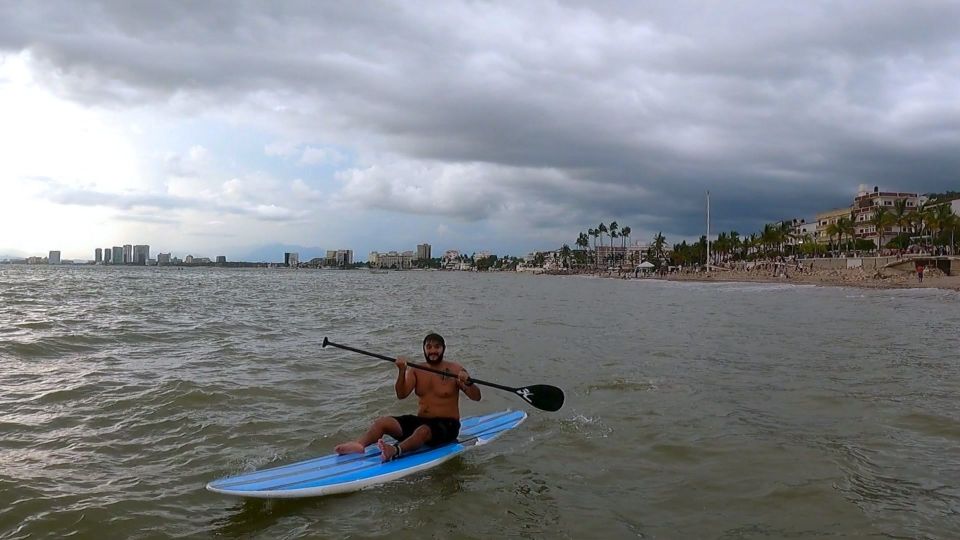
x: 437, y: 421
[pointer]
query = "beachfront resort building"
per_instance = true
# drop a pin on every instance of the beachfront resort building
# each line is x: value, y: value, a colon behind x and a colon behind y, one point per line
x: 452, y: 260
x: 339, y: 257
x: 53, y: 257
x: 867, y: 201
x: 391, y: 259
x: 802, y: 227
x: 825, y: 219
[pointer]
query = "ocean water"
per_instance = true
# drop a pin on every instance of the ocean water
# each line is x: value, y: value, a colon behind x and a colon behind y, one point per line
x: 693, y: 410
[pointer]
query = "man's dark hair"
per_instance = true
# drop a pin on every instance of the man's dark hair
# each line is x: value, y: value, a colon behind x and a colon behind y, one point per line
x: 434, y: 337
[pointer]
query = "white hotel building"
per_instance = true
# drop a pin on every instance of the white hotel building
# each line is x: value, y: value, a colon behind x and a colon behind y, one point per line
x: 864, y: 205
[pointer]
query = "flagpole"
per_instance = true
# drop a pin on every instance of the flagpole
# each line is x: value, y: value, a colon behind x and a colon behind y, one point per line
x: 708, y: 231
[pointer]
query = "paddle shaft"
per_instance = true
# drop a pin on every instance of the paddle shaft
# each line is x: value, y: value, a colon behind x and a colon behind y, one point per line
x: 470, y: 380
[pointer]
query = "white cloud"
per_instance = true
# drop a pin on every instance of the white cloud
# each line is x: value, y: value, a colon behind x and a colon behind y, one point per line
x: 281, y: 148
x: 465, y: 191
x: 198, y: 153
x: 304, y: 192
x: 318, y: 156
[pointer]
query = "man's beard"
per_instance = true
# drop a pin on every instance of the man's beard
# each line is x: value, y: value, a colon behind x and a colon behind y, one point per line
x: 433, y: 362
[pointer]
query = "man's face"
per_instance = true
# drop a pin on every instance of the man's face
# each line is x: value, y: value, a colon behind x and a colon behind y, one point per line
x: 433, y: 352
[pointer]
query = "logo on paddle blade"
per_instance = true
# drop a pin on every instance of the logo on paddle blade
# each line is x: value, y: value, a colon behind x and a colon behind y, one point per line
x: 525, y: 393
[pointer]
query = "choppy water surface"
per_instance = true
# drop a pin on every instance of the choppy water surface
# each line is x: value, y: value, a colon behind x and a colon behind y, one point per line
x: 693, y: 410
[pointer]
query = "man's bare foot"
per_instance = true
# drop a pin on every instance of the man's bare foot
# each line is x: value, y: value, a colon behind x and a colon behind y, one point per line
x: 387, y: 450
x: 352, y: 447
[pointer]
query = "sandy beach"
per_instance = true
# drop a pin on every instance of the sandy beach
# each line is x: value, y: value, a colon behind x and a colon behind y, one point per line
x: 853, y: 277
x: 886, y: 278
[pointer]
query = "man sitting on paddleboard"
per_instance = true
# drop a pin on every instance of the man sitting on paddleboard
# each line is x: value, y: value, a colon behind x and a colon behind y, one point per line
x: 437, y: 420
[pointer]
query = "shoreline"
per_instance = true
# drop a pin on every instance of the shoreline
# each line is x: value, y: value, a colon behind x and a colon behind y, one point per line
x: 853, y: 277
x: 849, y: 278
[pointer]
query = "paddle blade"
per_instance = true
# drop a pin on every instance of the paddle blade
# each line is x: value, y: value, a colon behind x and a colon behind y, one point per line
x: 542, y: 396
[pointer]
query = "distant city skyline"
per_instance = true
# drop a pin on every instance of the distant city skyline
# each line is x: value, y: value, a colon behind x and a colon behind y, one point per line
x: 267, y: 253
x: 500, y: 127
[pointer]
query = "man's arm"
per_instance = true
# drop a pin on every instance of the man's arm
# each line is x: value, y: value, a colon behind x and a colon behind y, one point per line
x: 472, y: 391
x: 406, y: 379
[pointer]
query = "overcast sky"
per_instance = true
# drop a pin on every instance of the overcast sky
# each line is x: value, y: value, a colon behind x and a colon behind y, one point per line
x: 214, y: 128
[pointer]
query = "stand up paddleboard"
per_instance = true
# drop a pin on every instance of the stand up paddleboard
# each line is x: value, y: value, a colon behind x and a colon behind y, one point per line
x: 333, y: 474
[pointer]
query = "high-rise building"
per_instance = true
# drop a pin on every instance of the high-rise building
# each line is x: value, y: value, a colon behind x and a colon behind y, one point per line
x: 221, y: 259
x: 117, y: 255
x: 291, y: 259
x: 344, y: 257
x: 53, y: 258
x: 163, y: 259
x: 127, y: 253
x: 423, y: 252
x: 141, y: 254
x: 107, y: 255
x: 98, y: 255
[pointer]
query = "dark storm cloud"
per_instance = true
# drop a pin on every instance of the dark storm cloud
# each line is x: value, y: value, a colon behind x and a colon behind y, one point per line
x: 781, y: 110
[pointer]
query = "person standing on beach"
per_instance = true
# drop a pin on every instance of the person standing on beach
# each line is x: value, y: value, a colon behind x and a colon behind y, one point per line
x: 920, y: 272
x: 437, y: 420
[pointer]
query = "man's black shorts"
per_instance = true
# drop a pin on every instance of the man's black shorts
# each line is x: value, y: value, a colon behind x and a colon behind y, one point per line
x: 442, y: 430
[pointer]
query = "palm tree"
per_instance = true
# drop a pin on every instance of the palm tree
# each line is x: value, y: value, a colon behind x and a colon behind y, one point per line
x: 880, y: 219
x: 901, y: 217
x: 768, y: 237
x: 941, y: 217
x: 565, y: 255
x: 659, y: 242
x: 735, y: 242
x: 784, y: 235
x: 809, y: 240
x: 613, y: 234
x: 595, y: 233
x: 920, y: 216
x: 834, y: 229
x: 624, y: 235
x: 847, y: 227
x: 583, y: 243
x: 952, y: 225
x: 721, y: 246
x: 602, y: 229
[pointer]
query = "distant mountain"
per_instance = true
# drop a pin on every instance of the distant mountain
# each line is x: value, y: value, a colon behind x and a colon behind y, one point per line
x: 274, y: 253
x: 6, y: 254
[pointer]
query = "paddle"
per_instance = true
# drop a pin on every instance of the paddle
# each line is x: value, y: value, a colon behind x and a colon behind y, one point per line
x: 541, y: 396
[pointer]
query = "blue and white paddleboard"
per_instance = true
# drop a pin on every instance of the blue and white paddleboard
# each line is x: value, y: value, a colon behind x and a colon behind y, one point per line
x: 333, y: 474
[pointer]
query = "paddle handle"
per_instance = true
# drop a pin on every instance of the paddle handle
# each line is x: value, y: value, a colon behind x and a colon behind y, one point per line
x: 470, y: 380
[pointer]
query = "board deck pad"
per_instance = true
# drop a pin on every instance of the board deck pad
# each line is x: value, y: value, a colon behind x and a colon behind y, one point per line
x: 334, y: 473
